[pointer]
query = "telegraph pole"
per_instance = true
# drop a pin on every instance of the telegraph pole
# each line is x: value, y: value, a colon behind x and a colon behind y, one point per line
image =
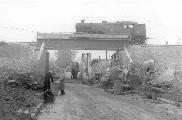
x: 106, y: 54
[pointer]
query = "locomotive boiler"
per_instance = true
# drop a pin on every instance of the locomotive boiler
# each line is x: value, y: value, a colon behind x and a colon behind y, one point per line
x: 136, y: 32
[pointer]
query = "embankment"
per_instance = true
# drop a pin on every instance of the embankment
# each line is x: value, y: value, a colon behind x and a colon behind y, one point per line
x: 168, y: 59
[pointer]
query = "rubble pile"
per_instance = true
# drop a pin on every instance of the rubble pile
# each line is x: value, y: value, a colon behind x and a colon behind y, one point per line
x: 148, y: 69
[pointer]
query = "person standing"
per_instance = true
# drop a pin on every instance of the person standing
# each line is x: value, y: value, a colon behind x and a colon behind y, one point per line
x: 48, y: 95
x: 61, y: 84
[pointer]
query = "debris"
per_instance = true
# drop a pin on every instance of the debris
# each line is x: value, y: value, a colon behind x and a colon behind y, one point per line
x: 111, y: 91
x: 27, y: 112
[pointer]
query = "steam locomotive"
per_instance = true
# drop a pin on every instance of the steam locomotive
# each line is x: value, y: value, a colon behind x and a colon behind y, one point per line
x: 136, y: 32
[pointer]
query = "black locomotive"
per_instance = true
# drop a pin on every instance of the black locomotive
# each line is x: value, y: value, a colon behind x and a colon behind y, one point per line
x: 136, y: 32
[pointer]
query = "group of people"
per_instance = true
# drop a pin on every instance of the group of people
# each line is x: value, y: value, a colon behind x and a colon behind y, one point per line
x: 47, y: 92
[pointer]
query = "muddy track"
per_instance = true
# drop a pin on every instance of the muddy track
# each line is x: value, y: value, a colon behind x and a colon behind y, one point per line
x: 87, y: 103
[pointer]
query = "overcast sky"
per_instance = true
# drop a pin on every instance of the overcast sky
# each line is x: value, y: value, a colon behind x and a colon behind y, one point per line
x: 163, y: 18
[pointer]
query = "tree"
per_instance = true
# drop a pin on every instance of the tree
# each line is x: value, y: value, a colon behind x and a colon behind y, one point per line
x: 65, y: 57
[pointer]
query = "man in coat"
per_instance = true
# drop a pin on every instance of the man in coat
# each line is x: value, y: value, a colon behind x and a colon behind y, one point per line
x: 48, y: 95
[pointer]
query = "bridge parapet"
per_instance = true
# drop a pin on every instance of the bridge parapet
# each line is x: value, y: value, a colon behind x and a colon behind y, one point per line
x: 82, y: 35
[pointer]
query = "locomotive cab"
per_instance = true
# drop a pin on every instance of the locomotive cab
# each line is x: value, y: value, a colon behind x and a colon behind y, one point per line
x: 139, y: 35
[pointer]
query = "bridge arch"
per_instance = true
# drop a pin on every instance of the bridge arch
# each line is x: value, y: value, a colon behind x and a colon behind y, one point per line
x: 55, y: 41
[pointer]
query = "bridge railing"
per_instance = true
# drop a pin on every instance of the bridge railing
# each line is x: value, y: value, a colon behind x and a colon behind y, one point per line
x: 80, y: 35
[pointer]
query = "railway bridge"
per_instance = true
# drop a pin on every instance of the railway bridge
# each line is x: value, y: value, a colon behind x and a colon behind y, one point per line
x: 72, y: 41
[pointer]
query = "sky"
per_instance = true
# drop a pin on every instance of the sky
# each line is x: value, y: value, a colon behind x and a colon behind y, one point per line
x: 163, y: 18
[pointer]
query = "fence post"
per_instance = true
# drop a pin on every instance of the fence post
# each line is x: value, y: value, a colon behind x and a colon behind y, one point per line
x: 46, y: 61
x: 4, y: 84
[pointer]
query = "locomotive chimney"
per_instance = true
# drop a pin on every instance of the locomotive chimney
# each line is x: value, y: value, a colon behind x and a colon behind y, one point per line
x: 104, y: 21
x: 82, y: 21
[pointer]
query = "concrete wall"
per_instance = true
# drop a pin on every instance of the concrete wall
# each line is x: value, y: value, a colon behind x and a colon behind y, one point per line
x: 42, y: 65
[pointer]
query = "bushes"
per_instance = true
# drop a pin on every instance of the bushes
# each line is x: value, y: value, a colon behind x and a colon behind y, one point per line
x: 167, y: 62
x: 17, y: 98
x: 166, y: 57
x: 16, y: 63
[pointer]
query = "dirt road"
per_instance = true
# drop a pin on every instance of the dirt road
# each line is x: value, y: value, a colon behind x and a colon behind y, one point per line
x: 87, y: 103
